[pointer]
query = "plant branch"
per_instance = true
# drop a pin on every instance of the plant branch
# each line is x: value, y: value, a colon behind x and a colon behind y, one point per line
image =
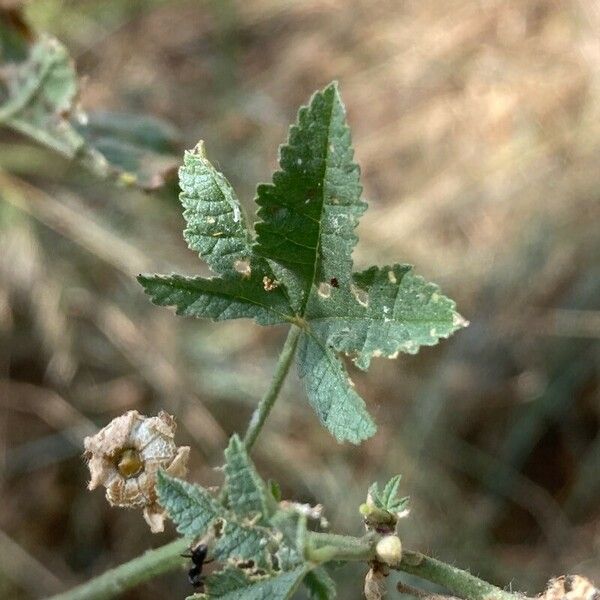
x: 325, y: 547
x: 320, y: 548
x: 329, y: 547
x: 458, y: 582
x: 268, y: 400
x: 116, y: 581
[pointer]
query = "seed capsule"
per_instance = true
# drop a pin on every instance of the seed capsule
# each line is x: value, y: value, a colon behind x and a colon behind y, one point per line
x: 129, y: 463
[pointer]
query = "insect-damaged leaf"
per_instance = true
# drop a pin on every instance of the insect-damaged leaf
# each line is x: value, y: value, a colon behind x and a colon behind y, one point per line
x: 233, y: 297
x: 216, y: 228
x: 309, y: 213
x: 239, y: 541
x: 299, y: 268
x: 232, y: 584
x: 384, y: 311
x: 190, y: 506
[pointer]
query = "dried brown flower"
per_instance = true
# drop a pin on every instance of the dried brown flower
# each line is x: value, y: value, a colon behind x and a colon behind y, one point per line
x: 125, y: 456
x: 570, y: 587
x: 375, y: 583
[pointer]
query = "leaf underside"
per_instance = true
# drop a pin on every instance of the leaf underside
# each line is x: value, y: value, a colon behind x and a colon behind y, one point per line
x: 42, y: 103
x: 297, y: 267
x: 233, y: 585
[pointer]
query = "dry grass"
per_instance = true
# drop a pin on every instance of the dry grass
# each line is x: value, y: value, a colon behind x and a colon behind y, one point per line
x: 477, y: 126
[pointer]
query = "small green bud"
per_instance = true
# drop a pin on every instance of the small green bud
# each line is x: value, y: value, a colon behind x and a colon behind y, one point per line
x: 377, y: 519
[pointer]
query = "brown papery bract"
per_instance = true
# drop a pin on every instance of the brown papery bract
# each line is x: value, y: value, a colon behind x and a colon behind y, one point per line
x: 125, y: 457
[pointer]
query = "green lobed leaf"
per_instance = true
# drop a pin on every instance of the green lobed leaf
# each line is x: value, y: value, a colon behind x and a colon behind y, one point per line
x: 217, y: 299
x: 299, y: 269
x: 216, y: 227
x: 233, y: 584
x: 374, y: 494
x: 390, y: 491
x: 190, y: 506
x: 246, y: 490
x: 307, y: 216
x: 239, y: 541
x: 388, y: 499
x: 331, y: 392
x: 387, y: 310
x: 320, y: 585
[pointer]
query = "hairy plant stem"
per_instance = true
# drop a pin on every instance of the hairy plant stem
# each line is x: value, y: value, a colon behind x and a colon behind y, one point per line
x: 458, y: 582
x: 320, y: 548
x: 328, y: 547
x: 114, y: 582
x: 268, y: 400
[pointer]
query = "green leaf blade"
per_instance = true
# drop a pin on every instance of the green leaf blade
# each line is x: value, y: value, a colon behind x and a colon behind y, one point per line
x: 330, y: 392
x: 238, y: 541
x: 320, y: 585
x: 190, y: 506
x: 216, y: 228
x: 232, y: 584
x: 246, y: 490
x: 309, y: 213
x: 387, y: 310
x: 218, y: 299
x: 390, y: 491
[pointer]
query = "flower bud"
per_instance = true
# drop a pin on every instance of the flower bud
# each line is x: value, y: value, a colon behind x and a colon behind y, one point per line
x: 389, y: 550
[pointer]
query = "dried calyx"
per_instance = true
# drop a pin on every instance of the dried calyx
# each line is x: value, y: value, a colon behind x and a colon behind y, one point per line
x: 125, y: 457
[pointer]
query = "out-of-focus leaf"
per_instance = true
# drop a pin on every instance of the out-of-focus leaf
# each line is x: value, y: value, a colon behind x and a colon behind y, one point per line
x: 142, y: 147
x: 320, y: 585
x: 41, y: 96
x: 40, y: 100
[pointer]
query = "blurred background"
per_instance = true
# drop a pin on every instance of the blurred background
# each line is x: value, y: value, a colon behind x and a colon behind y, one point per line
x: 477, y: 127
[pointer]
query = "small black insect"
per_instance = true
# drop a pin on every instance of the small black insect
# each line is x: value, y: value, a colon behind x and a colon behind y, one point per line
x: 334, y: 282
x: 198, y: 557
